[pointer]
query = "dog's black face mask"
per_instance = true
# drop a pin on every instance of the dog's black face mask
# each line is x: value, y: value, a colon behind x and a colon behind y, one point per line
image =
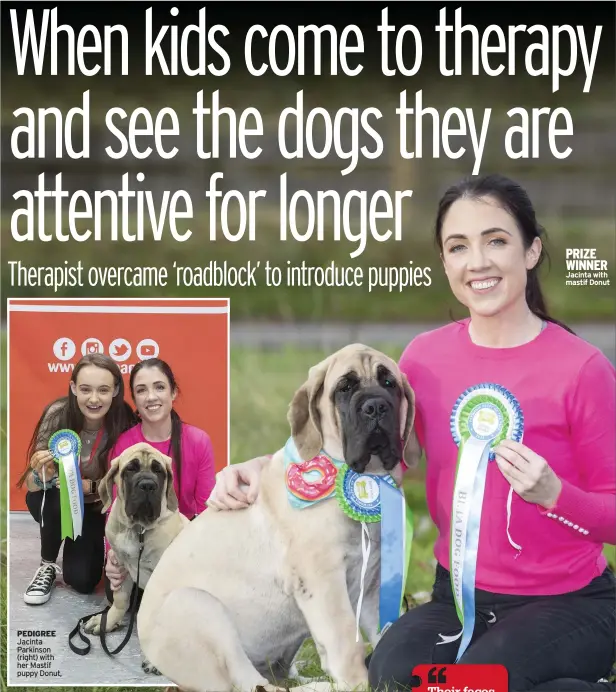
x: 370, y: 418
x: 143, y: 491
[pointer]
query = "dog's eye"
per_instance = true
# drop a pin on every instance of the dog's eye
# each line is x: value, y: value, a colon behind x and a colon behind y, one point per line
x: 346, y: 384
x: 156, y: 467
x: 132, y: 465
x: 389, y: 382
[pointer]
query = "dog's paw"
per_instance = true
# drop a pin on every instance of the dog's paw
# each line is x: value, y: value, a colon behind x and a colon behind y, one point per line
x: 93, y: 625
x: 147, y: 667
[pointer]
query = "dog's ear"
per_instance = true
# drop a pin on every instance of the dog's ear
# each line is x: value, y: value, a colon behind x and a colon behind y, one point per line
x: 172, y: 498
x: 303, y: 415
x: 105, y: 488
x: 411, y: 449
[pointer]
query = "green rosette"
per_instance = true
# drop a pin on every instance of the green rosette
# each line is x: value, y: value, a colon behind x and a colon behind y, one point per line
x: 487, y: 412
x: 358, y: 494
x: 65, y: 447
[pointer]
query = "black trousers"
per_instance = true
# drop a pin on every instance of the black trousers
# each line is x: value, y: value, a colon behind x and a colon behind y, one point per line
x: 83, y: 558
x: 546, y: 643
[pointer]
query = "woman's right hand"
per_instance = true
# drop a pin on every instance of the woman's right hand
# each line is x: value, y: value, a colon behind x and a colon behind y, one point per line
x: 43, y: 459
x: 227, y: 493
x: 114, y: 571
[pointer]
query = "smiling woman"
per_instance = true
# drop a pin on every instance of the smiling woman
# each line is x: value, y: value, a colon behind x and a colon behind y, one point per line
x: 96, y: 411
x: 154, y: 390
x: 520, y: 466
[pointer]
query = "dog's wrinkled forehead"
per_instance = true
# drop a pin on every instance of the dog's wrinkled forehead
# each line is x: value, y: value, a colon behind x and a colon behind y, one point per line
x: 365, y: 363
x: 143, y: 454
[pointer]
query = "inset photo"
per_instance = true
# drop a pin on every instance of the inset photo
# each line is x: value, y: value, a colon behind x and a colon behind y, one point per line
x: 118, y: 421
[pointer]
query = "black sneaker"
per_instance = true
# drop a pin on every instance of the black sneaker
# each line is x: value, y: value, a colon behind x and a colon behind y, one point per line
x: 39, y: 589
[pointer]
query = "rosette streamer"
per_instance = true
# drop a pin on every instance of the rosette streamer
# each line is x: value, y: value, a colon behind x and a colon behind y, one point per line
x: 482, y: 417
x: 366, y: 498
x: 65, y: 447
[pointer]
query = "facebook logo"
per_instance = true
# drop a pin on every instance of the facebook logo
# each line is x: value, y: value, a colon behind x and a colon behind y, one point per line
x: 64, y: 348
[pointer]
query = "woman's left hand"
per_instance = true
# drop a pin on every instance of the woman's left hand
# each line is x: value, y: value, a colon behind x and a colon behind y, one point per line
x: 528, y: 474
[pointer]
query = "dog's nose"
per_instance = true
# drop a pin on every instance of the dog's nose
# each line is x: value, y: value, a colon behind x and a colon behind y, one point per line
x: 374, y: 408
x: 147, y: 485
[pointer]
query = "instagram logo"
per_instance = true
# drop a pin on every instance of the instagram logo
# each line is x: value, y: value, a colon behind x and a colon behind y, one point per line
x: 91, y: 346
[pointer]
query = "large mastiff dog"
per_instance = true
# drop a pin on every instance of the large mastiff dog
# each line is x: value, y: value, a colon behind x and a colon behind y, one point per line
x: 235, y: 595
x: 146, y: 503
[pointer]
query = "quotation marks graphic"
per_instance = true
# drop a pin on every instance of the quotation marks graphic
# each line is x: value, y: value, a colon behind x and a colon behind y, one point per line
x: 120, y: 350
x: 91, y: 346
x: 64, y: 349
x: 147, y: 348
x: 434, y: 677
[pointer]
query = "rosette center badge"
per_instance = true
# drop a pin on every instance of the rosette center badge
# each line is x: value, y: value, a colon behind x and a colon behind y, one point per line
x: 64, y: 447
x: 359, y: 495
x: 366, y: 490
x: 487, y: 412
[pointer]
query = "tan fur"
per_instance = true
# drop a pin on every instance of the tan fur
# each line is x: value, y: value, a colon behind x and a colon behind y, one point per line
x: 123, y: 536
x: 238, y: 591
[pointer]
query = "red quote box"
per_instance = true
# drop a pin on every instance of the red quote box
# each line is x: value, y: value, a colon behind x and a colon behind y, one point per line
x: 460, y: 677
x: 46, y: 338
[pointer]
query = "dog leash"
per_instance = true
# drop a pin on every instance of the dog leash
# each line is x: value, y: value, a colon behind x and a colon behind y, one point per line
x: 103, y: 614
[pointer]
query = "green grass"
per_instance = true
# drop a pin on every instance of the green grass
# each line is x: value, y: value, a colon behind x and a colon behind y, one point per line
x: 262, y: 384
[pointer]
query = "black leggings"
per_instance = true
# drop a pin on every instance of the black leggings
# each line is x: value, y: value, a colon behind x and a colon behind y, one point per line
x: 546, y: 643
x: 83, y: 558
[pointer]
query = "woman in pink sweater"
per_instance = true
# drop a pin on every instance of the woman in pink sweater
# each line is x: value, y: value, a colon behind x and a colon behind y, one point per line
x: 524, y: 557
x: 154, y: 389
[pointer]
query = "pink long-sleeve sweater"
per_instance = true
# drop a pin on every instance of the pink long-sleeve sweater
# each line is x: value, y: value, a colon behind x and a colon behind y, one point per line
x: 567, y: 392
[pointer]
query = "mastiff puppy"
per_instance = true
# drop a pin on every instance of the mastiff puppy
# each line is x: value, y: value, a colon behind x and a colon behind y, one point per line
x: 235, y: 595
x: 146, y: 503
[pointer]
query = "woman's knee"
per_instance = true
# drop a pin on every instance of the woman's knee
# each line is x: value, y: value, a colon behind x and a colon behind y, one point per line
x: 33, y: 503
x: 82, y: 580
x: 391, y: 664
x: 390, y: 668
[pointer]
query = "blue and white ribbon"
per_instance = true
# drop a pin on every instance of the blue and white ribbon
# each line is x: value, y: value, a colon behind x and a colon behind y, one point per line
x: 368, y: 498
x: 396, y: 540
x: 482, y: 418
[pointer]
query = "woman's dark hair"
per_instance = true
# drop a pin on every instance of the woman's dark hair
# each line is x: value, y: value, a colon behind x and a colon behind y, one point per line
x: 176, y: 421
x: 514, y: 198
x: 65, y: 413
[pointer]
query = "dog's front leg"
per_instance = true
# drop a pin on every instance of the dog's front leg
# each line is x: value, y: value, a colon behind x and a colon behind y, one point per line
x: 324, y: 601
x: 119, y: 608
x: 369, y: 616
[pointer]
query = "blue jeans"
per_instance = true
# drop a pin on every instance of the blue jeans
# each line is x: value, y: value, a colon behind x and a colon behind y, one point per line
x: 564, y: 642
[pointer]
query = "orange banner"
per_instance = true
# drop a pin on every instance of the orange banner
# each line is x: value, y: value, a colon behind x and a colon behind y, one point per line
x: 46, y: 338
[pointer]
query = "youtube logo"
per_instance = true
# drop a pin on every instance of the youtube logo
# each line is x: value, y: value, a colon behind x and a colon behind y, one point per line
x: 147, y: 348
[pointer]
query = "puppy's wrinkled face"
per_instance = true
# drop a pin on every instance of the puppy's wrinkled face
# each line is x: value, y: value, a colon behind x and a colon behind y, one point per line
x: 366, y: 395
x: 142, y: 484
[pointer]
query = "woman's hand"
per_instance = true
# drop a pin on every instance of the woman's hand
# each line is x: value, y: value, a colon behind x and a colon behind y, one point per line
x: 227, y: 493
x: 114, y: 571
x: 528, y: 474
x: 43, y: 460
